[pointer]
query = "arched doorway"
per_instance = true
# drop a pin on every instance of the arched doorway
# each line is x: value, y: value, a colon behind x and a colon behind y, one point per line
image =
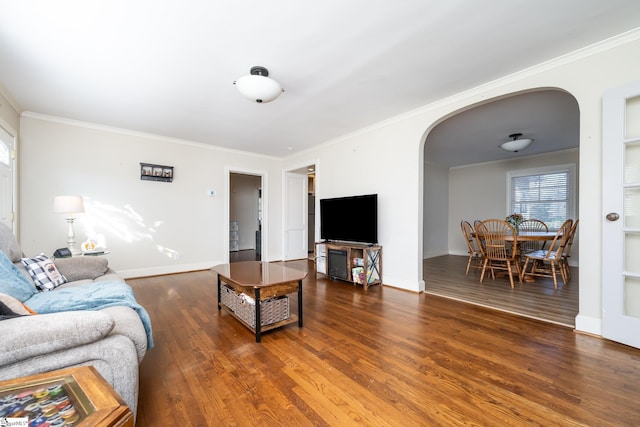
x: 466, y: 178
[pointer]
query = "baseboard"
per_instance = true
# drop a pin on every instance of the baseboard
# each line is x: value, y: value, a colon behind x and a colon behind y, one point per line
x: 403, y: 284
x: 169, y: 269
x: 455, y: 252
x: 434, y: 254
x: 589, y: 325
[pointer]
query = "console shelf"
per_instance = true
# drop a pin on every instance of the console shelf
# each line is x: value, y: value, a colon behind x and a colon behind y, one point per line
x: 352, y: 262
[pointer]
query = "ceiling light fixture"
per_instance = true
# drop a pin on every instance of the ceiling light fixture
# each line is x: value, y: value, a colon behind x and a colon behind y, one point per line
x: 516, y: 144
x: 258, y: 86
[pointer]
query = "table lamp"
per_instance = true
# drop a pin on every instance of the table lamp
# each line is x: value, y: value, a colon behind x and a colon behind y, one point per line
x: 69, y: 205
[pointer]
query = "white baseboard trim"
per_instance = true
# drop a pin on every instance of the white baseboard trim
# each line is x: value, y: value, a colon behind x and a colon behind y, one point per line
x: 461, y: 253
x: 403, y: 284
x: 166, y: 269
x: 434, y: 254
x: 590, y: 325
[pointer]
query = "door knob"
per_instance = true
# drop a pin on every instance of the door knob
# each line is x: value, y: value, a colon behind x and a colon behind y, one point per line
x: 612, y: 216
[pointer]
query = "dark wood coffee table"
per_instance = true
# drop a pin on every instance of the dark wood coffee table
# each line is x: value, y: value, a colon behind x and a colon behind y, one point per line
x: 261, y: 281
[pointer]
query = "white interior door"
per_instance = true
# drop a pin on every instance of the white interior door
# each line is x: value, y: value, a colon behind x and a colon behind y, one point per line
x: 295, y: 216
x: 621, y: 216
x: 6, y: 178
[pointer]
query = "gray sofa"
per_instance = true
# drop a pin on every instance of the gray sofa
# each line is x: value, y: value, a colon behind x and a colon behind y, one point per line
x: 112, y: 339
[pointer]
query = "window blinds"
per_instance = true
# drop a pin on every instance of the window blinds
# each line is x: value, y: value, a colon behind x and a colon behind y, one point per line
x: 542, y: 196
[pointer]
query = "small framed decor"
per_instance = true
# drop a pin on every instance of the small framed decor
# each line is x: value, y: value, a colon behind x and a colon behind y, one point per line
x: 151, y: 172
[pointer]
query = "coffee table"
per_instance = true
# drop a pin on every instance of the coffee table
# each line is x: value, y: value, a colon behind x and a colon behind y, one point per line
x: 261, y: 281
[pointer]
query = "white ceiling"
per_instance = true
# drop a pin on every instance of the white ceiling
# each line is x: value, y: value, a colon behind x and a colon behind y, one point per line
x: 550, y: 117
x: 167, y: 67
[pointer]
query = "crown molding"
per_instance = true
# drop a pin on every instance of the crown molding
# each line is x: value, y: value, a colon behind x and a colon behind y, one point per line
x: 478, y: 91
x: 145, y: 135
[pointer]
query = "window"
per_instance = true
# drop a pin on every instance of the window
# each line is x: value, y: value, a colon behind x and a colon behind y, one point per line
x: 547, y: 194
x: 4, y: 154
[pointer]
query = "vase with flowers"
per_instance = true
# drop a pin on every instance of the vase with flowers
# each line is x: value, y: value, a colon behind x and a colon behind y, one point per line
x: 515, y: 220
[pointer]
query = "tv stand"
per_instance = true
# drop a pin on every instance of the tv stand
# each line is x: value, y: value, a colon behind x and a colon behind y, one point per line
x: 352, y: 262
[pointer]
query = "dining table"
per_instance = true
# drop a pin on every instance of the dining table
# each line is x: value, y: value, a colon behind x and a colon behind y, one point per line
x: 529, y: 236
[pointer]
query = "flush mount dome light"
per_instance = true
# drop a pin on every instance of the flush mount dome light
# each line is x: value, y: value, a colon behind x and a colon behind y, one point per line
x: 258, y: 87
x: 516, y: 144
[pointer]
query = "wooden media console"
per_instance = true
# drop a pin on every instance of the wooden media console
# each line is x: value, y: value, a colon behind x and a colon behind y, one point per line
x: 352, y: 262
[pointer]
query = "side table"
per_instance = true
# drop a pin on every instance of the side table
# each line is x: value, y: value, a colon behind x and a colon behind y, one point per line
x: 78, y: 396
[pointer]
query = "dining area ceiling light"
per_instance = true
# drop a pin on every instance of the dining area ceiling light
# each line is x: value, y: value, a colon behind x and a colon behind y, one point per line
x: 258, y: 86
x: 516, y: 144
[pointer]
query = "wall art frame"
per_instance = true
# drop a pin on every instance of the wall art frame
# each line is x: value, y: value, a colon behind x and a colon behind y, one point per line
x: 153, y: 172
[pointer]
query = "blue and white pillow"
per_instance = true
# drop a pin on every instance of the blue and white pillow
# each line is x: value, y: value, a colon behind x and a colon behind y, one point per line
x: 44, y: 272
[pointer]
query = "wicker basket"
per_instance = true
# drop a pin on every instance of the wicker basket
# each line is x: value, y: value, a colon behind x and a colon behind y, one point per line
x: 228, y: 297
x: 271, y: 311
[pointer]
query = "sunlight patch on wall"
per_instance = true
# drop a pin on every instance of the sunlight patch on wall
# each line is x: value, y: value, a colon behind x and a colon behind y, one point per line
x: 123, y: 223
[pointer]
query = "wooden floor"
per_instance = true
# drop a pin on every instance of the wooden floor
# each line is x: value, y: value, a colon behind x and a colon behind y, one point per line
x: 245, y: 255
x: 381, y: 357
x: 444, y: 276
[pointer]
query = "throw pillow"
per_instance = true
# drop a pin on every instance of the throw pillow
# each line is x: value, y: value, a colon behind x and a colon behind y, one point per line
x: 6, y: 313
x: 44, y: 272
x: 15, y: 305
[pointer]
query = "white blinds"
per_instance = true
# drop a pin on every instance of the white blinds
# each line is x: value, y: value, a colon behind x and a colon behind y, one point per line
x: 544, y: 196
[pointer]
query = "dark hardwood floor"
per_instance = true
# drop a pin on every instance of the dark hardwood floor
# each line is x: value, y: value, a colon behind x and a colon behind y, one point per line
x: 244, y: 255
x: 381, y: 357
x: 444, y: 276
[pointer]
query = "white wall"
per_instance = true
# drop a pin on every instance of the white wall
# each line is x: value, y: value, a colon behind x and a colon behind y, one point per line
x: 436, y: 210
x: 387, y: 162
x: 391, y: 164
x: 149, y: 227
x: 480, y: 192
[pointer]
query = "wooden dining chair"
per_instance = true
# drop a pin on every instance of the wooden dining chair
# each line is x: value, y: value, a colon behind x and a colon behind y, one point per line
x: 498, y: 253
x: 548, y: 262
x: 529, y: 225
x: 475, y: 255
x: 567, y: 249
x: 480, y: 242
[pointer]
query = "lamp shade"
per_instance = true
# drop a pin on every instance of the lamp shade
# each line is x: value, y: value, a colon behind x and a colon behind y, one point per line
x: 516, y: 144
x: 68, y: 204
x: 258, y: 87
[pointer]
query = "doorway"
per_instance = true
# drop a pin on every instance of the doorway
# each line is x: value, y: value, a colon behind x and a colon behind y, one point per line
x: 245, y: 217
x: 300, y: 230
x: 462, y: 181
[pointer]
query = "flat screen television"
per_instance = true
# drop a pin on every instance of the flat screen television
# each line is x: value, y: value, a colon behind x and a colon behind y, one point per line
x: 350, y: 219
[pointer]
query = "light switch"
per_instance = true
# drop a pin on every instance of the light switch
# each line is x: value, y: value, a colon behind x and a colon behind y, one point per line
x: 212, y: 193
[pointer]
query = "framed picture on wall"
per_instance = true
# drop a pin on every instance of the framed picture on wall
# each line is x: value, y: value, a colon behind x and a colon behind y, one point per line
x: 153, y: 172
